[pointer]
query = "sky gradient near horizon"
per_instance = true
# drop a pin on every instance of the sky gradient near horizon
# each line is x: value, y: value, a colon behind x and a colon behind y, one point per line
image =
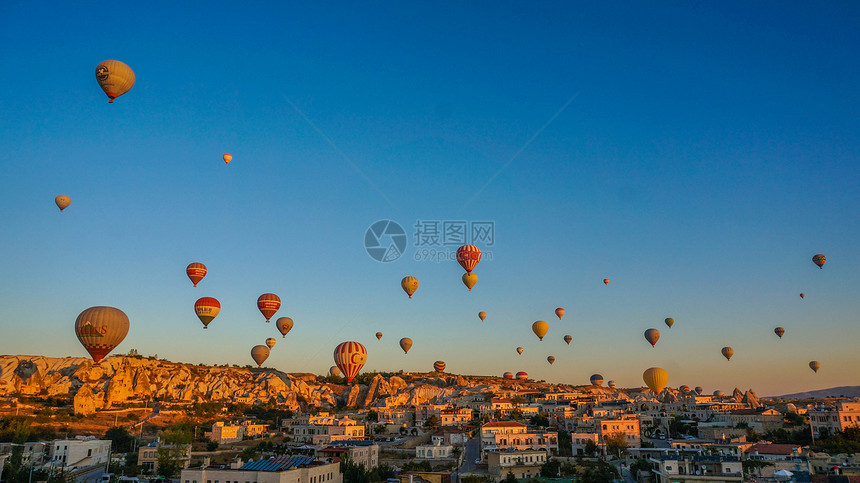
x: 698, y: 156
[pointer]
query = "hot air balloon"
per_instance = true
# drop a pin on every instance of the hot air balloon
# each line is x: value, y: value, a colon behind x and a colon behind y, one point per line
x: 334, y: 371
x: 559, y: 312
x: 519, y: 350
x: 540, y: 328
x: 652, y: 336
x: 482, y: 315
x: 468, y: 256
x: 195, y: 271
x: 439, y: 366
x: 550, y: 359
x: 409, y: 285
x: 259, y: 353
x: 699, y: 390
x: 270, y: 342
x: 522, y: 375
x: 115, y: 78
x: 227, y: 158
x: 100, y: 329
x: 268, y: 303
x: 378, y: 335
x: 207, y: 308
x: 605, y: 281
x: 718, y: 393
x: 655, y: 378
x: 819, y: 260
x: 469, y: 280
x: 815, y: 365
x: 567, y: 339
x: 62, y: 202
x: 779, y: 331
x: 508, y: 375
x: 611, y: 384
x: 596, y: 380
x: 670, y: 322
x: 684, y: 389
x: 802, y: 295
x: 350, y: 358
x: 284, y: 325
x: 405, y: 344
x: 727, y: 352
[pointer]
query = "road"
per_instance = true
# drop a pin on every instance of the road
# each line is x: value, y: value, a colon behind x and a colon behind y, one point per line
x: 473, y: 452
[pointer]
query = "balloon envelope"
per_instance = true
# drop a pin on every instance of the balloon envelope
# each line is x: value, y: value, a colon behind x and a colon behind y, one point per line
x: 550, y: 359
x: 350, y: 358
x: 540, y: 328
x: 100, y: 329
x: 727, y: 352
x: 652, y: 336
x: 699, y: 390
x: 62, y: 202
x: 779, y: 331
x: 268, y: 303
x: 284, y: 325
x: 439, y: 366
x: 522, y: 375
x: 334, y: 371
x: 259, y: 353
x: 270, y: 342
x: 802, y: 295
x: 596, y: 380
x: 568, y: 338
x: 814, y: 365
x: 409, y: 285
x: 405, y: 344
x: 227, y: 158
x: 195, y: 271
x: 559, y: 312
x: 378, y: 335
x: 482, y: 316
x: 469, y: 280
x: 611, y: 384
x: 718, y: 393
x: 819, y: 260
x: 655, y: 378
x: 670, y: 322
x: 508, y: 375
x: 115, y: 78
x: 519, y: 350
x: 468, y: 256
x: 207, y: 308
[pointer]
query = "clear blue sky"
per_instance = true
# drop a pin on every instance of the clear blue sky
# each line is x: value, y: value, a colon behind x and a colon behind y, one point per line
x: 707, y: 153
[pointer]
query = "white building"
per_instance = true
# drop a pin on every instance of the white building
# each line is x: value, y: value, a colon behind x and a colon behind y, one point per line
x: 69, y: 454
x: 434, y: 451
x: 523, y: 464
x: 295, y: 469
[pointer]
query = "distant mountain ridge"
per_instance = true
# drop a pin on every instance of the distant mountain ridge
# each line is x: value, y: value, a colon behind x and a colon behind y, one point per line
x: 839, y: 391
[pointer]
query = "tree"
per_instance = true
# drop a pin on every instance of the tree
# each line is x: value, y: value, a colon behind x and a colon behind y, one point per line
x: 550, y: 469
x: 432, y: 422
x: 510, y: 478
x: 517, y: 400
x: 382, y: 473
x: 616, y: 444
x: 174, y: 443
x: 539, y: 420
x: 353, y: 473
x: 378, y: 429
x: 122, y: 441
x: 372, y: 416
x: 590, y: 447
x: 417, y: 466
x: 565, y: 444
x: 641, y: 464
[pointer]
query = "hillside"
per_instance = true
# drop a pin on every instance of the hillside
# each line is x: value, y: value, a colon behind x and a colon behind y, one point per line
x: 840, y: 391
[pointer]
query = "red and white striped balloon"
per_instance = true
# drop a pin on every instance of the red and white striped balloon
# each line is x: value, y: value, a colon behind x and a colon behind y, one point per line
x: 468, y: 256
x: 350, y: 358
x: 268, y: 303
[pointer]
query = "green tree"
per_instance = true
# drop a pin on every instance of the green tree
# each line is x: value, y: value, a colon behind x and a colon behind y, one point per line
x: 550, y: 469
x: 565, y: 444
x: 539, y: 420
x: 121, y: 440
x: 616, y: 444
x: 174, y: 443
x: 372, y: 416
x: 432, y: 422
x: 382, y: 472
x: 590, y: 448
x: 510, y: 478
x: 640, y: 465
x: 417, y: 466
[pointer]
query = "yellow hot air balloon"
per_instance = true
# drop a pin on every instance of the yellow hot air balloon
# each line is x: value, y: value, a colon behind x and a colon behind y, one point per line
x: 115, y: 78
x: 482, y: 316
x: 656, y: 379
x: 519, y: 350
x: 540, y: 328
x: 62, y: 202
x: 100, y: 330
x: 670, y: 321
x: 334, y: 371
x: 727, y: 352
x: 814, y: 365
x: 284, y: 325
x: 439, y: 366
x: 652, y: 335
x: 409, y: 285
x: 605, y: 281
x: 550, y: 359
x: 469, y: 280
x: 270, y: 342
x: 559, y: 312
x: 378, y: 335
x: 227, y: 158
x: 259, y: 353
x: 406, y: 344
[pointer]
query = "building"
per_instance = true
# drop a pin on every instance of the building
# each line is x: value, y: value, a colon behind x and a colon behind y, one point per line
x: 579, y: 442
x: 779, y: 457
x: 425, y: 477
x: 147, y: 456
x: 434, y: 451
x: 295, y: 469
x: 32, y: 452
x: 360, y: 452
x: 323, y: 429
x: 761, y: 418
x: 843, y: 415
x: 696, y: 469
x: 450, y: 436
x: 522, y: 463
x: 627, y: 426
x: 455, y: 416
x: 511, y: 434
x: 71, y: 454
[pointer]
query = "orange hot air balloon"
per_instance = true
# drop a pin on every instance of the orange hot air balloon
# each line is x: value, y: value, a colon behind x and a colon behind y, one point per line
x: 284, y: 325
x: 611, y: 384
x: 568, y: 338
x: 350, y: 358
x: 605, y: 281
x: 669, y: 322
x: 655, y: 378
x: 779, y: 331
x: 482, y: 315
x: 468, y: 256
x: 727, y: 352
x: 439, y: 366
x: 519, y: 350
x: 227, y: 158
x: 270, y: 342
x: 207, y: 308
x: 802, y: 295
x: 100, y: 329
x: 550, y: 359
x: 409, y: 285
x: 559, y: 312
x: 522, y: 375
x: 684, y: 389
x: 259, y: 353
x: 195, y: 271
x: 115, y: 78
x: 334, y: 371
x: 540, y: 328
x: 406, y: 344
x: 268, y: 303
x: 62, y: 202
x: 652, y: 335
x: 815, y: 366
x: 469, y: 280
x: 508, y: 375
x: 819, y: 260
x: 378, y: 335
